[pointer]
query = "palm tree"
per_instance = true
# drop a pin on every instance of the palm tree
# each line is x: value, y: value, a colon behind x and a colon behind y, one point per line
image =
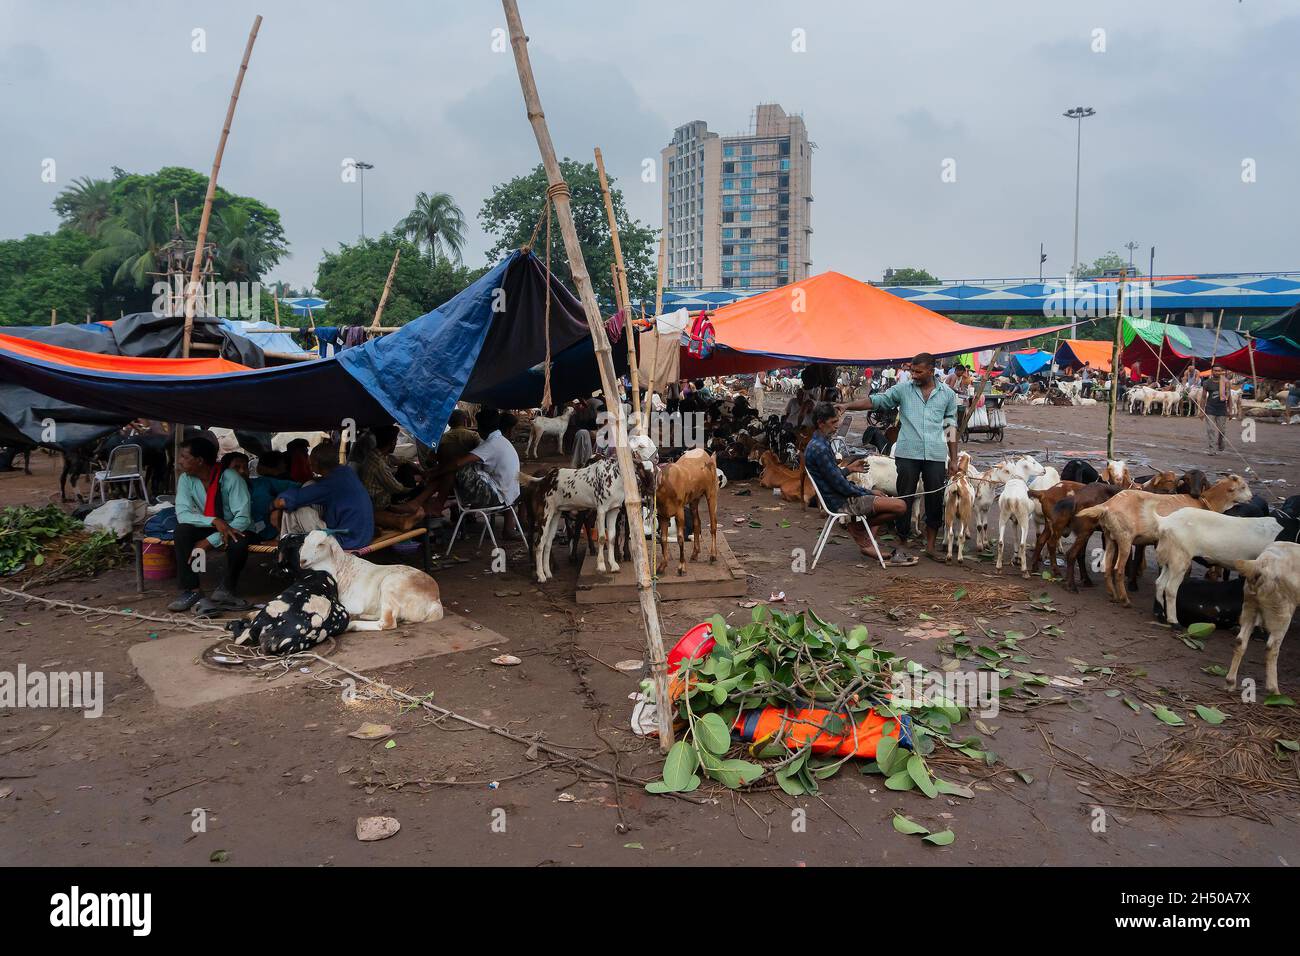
x: 244, y: 251
x: 133, y: 239
x: 86, y: 204
x: 436, y: 223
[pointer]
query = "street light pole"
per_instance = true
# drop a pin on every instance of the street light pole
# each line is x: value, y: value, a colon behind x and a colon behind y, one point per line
x: 1079, y: 114
x: 1130, y: 246
x: 363, y: 167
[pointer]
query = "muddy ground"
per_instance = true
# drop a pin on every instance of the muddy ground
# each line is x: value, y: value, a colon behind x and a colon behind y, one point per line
x: 281, y: 782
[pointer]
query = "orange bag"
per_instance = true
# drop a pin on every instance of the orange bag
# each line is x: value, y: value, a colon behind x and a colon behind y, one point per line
x: 804, y: 727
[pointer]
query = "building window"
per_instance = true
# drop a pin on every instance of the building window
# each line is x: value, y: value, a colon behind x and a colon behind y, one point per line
x: 746, y: 250
x: 728, y: 266
x: 728, y: 250
x: 728, y: 234
x: 746, y: 200
x: 746, y: 233
x: 746, y: 167
x: 785, y: 165
x: 728, y: 167
x: 746, y: 150
x: 783, y: 199
x: 783, y: 182
x: 783, y: 248
x: 783, y: 264
x: 728, y: 201
x: 747, y: 184
x: 746, y: 217
x: 783, y: 231
x: 729, y: 151
x: 745, y: 282
x: 728, y: 184
x: 728, y: 217
x: 744, y: 266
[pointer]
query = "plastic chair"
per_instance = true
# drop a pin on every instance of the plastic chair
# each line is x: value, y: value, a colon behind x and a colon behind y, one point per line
x: 486, y: 514
x: 124, y: 467
x: 832, y: 519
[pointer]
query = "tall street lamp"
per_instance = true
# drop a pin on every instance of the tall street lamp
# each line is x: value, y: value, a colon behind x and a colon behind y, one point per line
x: 363, y: 167
x: 1130, y: 246
x: 1079, y: 113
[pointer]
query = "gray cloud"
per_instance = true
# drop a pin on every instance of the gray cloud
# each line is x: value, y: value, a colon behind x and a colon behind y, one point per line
x: 1184, y: 92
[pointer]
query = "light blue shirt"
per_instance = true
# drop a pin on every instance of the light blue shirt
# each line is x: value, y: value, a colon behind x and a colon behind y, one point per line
x: 922, y: 422
x: 236, y: 503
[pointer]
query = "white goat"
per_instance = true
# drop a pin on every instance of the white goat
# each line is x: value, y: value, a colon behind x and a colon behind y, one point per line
x: 1220, y: 539
x: 1014, y: 506
x: 543, y: 426
x: 1270, y: 597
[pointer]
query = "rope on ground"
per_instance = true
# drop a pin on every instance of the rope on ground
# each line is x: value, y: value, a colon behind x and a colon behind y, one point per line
x: 84, y: 610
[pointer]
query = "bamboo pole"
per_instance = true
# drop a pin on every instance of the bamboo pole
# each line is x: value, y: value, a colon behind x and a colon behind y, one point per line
x: 275, y: 304
x: 1115, y: 368
x: 654, y: 325
x: 1250, y: 349
x: 54, y: 316
x: 620, y: 288
x: 559, y: 194
x: 388, y: 284
x: 192, y: 291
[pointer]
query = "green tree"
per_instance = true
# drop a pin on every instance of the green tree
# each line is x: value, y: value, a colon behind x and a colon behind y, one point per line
x: 510, y: 214
x: 130, y: 242
x: 1111, y: 262
x: 243, y: 252
x: 86, y: 204
x: 436, y: 224
x: 44, y: 271
x: 907, y: 275
x: 352, y: 279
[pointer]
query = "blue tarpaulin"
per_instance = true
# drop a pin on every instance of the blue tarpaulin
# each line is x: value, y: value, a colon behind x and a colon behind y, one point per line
x: 1028, y: 364
x: 483, y: 338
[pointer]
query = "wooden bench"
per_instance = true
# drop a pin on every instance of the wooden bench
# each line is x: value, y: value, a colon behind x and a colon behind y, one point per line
x: 384, y: 540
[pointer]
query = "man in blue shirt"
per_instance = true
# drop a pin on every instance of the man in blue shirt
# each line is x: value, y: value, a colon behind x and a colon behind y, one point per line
x: 927, y: 437
x: 842, y: 495
x: 213, y: 511
x: 336, y: 500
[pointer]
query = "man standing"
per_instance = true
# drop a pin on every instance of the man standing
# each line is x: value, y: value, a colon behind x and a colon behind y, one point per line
x: 927, y: 437
x: 1085, y: 381
x: 840, y: 494
x: 1215, y: 411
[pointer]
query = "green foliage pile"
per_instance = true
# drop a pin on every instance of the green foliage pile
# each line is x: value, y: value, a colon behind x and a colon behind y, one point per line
x: 799, y: 661
x: 25, y: 533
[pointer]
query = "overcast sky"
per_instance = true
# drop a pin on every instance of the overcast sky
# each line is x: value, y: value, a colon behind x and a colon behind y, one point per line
x: 1185, y: 91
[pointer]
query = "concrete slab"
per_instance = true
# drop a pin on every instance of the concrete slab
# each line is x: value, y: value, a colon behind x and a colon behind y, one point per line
x: 171, y: 667
x: 723, y: 578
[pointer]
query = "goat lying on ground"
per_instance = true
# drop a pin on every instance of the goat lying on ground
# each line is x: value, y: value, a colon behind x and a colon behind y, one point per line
x: 542, y: 427
x: 792, y: 482
x: 1190, y: 533
x: 377, y: 597
x: 306, y: 613
x: 1271, y: 594
x: 681, y: 486
x: 1128, y: 520
x: 1201, y: 601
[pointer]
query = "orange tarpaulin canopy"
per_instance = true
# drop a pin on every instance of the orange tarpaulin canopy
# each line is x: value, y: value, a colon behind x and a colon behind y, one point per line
x: 117, y: 364
x: 1077, y: 351
x: 835, y: 319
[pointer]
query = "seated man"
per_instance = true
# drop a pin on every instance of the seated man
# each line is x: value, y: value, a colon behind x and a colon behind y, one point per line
x: 396, y: 506
x: 842, y: 495
x: 272, y: 478
x: 213, y: 511
x: 499, y: 458
x: 336, y: 501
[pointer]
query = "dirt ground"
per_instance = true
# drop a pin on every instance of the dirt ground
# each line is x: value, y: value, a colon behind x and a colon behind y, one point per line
x: 281, y: 782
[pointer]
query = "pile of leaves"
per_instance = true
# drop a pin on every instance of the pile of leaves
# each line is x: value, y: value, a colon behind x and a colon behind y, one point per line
x: 799, y: 661
x: 31, y: 537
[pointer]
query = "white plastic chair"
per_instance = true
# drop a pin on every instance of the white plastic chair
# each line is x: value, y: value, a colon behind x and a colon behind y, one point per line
x: 832, y: 519
x: 124, y: 467
x: 486, y: 514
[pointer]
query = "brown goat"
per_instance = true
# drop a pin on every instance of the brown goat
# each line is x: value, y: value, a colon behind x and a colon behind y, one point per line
x: 1128, y: 520
x: 792, y: 481
x: 681, y: 485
